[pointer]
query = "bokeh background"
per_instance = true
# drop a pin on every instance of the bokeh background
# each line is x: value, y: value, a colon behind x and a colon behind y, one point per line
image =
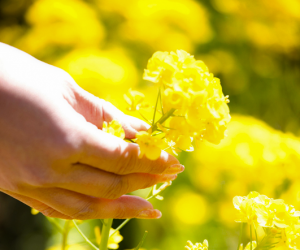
x: 253, y: 46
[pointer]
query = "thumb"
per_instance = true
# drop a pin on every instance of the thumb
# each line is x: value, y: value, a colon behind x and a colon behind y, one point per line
x: 96, y: 111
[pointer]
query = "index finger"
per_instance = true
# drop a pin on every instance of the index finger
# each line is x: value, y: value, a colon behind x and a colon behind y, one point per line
x: 112, y: 154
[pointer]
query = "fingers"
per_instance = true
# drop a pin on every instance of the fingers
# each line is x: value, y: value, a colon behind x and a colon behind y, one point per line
x: 41, y: 207
x: 94, y: 182
x: 82, y: 207
x: 137, y: 124
x: 111, y: 154
x: 96, y: 111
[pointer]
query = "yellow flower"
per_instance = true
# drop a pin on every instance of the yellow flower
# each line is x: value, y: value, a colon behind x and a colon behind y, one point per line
x: 113, y: 241
x: 160, y: 68
x: 175, y: 99
x: 246, y: 207
x: 284, y: 215
x: 34, y: 211
x: 248, y: 246
x: 61, y: 23
x: 114, y: 128
x: 135, y: 100
x: 175, y: 139
x: 293, y: 237
x: 197, y: 246
x: 149, y: 145
x: 266, y: 212
x: 272, y: 213
x: 156, y: 191
x: 69, y: 247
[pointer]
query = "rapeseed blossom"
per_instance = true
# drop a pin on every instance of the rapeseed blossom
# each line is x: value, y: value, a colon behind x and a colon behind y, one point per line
x: 192, y: 105
x: 114, y: 239
x: 194, y: 93
x: 149, y: 145
x: 197, y: 246
x: 280, y: 221
x: 114, y: 128
x: 265, y: 212
x: 156, y: 190
x: 34, y: 211
x: 135, y: 100
x: 248, y: 246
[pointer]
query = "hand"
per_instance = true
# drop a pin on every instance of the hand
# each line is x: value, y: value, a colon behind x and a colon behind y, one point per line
x: 54, y: 156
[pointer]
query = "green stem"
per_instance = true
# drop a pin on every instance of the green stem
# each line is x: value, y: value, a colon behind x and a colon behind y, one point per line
x: 153, y: 121
x: 84, y: 237
x: 54, y: 223
x: 65, y: 235
x: 146, y: 120
x: 105, y: 234
x: 142, y: 241
x: 120, y: 226
x: 250, y: 237
x: 255, y: 234
x: 161, y: 104
x: 241, y: 235
x: 162, y: 119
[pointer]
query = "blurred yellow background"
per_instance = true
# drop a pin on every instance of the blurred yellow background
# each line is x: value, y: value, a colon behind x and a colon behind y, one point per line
x: 252, y: 46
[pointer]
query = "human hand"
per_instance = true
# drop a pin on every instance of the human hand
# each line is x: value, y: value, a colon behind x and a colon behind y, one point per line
x: 54, y: 156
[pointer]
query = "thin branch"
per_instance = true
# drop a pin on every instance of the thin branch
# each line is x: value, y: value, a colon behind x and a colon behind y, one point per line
x: 142, y: 241
x: 119, y: 227
x: 146, y: 120
x: 161, y: 105
x: 153, y: 121
x: 54, y: 223
x: 162, y: 119
x: 85, y: 238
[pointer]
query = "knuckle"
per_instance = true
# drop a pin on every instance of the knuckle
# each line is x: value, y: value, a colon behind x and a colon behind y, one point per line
x: 115, y: 190
x: 84, y: 211
x: 68, y: 144
x: 129, y: 161
x: 94, y: 107
x: 124, y: 185
x: 39, y: 178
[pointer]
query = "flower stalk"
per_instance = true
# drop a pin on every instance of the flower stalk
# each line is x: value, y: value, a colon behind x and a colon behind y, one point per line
x: 65, y: 234
x: 105, y: 234
x: 161, y: 120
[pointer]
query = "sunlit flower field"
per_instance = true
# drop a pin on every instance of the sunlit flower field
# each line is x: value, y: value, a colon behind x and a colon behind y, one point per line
x: 248, y: 50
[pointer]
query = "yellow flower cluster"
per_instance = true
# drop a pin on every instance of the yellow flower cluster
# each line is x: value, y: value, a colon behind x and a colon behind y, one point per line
x: 252, y: 155
x: 149, y: 145
x: 160, y: 24
x: 193, y: 92
x: 262, y: 211
x: 191, y: 101
x: 114, y: 128
x: 135, y: 100
x: 197, y: 246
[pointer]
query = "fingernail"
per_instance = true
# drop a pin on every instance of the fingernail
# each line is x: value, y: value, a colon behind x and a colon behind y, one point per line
x: 149, y: 214
x: 175, y: 169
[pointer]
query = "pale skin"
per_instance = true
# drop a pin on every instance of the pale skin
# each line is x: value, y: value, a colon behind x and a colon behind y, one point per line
x: 54, y: 156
